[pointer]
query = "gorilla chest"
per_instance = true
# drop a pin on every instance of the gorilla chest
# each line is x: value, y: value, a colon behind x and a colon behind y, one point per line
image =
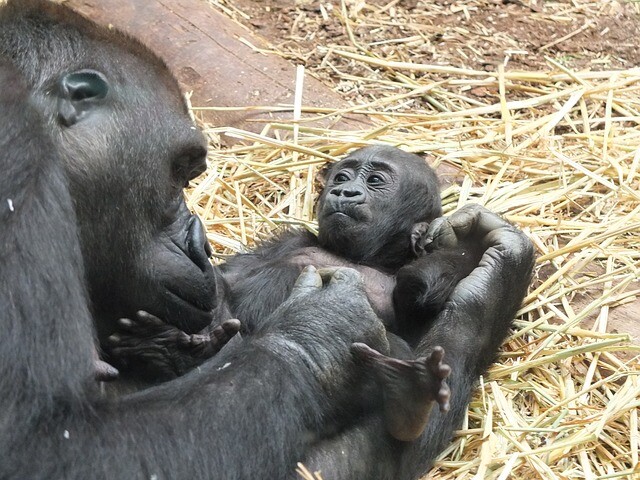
x: 379, y: 285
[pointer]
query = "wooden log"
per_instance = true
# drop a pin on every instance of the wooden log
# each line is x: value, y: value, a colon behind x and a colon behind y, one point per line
x: 204, y: 50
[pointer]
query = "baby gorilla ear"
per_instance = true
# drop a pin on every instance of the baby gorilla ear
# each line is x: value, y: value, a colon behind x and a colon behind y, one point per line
x: 78, y: 93
x: 323, y: 174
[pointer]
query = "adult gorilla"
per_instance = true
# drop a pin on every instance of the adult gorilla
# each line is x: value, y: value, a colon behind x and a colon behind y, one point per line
x: 251, y: 412
x: 128, y: 147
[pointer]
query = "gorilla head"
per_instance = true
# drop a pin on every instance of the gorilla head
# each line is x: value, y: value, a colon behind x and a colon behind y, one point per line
x: 129, y: 147
x: 371, y: 201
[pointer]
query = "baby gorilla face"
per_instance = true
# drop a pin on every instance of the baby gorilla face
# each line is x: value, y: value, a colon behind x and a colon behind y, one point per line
x: 371, y: 201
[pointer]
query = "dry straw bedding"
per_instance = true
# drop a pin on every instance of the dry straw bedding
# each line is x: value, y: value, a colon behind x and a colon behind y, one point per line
x: 555, y: 151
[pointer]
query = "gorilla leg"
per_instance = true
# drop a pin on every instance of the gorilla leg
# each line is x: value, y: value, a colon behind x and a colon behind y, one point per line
x: 409, y: 388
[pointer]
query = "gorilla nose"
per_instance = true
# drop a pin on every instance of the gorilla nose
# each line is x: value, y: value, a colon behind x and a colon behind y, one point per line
x: 351, y: 194
x: 199, y: 249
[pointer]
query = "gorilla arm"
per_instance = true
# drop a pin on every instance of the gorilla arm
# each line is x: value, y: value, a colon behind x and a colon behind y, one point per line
x: 424, y: 285
x: 472, y: 326
x: 475, y: 321
x: 258, y: 404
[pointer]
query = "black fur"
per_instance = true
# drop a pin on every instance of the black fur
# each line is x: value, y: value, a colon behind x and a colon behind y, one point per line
x: 435, y: 302
x: 128, y: 146
x: 271, y: 396
x: 471, y: 327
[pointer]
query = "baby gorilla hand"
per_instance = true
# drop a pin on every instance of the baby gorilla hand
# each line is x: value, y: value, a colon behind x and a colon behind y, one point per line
x: 162, y: 351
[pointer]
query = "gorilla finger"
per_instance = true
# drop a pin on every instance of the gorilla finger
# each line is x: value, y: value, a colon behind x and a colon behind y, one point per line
x: 223, y: 335
x: 463, y: 221
x: 308, y: 281
x: 194, y: 340
x: 346, y: 276
x: 441, y: 234
x: 220, y: 333
x: 516, y: 243
x: 122, y: 341
x: 364, y: 352
x: 436, y: 356
x: 104, y: 372
x: 126, y: 324
x: 444, y: 371
x: 326, y: 273
x: 444, y: 394
x: 146, y: 319
x: 113, y: 340
x: 489, y: 221
x: 232, y: 326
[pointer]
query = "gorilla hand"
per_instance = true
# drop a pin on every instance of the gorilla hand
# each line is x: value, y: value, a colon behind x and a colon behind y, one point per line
x: 325, y: 314
x: 485, y: 302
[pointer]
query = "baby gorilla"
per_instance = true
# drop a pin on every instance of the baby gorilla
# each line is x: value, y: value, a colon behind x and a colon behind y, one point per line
x: 373, y: 215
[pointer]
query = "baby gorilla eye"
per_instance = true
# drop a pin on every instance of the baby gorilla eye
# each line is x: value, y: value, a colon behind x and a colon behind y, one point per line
x: 375, y: 180
x: 340, y: 178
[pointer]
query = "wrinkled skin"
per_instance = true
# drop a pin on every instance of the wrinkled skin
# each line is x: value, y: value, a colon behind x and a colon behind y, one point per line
x: 128, y: 147
x: 372, y: 201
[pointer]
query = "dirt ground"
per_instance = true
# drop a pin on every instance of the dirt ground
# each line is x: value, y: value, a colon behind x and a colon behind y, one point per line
x: 476, y: 34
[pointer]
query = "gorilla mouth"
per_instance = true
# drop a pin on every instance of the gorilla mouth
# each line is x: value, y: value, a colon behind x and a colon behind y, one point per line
x: 181, y: 301
x: 345, y: 211
x: 186, y: 314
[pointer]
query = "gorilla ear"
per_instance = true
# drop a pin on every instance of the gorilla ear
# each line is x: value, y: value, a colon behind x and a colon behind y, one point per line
x: 78, y: 93
x: 323, y: 174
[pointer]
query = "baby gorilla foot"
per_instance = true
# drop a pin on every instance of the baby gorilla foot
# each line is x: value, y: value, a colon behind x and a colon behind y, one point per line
x: 162, y: 351
x: 409, y: 388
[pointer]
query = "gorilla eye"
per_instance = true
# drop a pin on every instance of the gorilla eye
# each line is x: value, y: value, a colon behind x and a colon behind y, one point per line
x: 340, y: 178
x: 375, y: 180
